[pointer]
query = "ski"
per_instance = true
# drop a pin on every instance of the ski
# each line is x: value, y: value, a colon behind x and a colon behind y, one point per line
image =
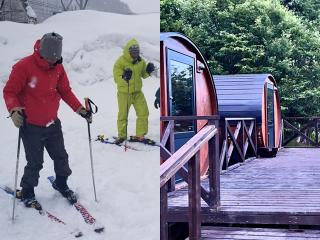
x: 102, y: 139
x: 76, y: 233
x: 87, y: 217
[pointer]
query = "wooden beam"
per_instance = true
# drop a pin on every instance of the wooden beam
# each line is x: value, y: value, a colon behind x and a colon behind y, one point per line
x: 163, y: 213
x: 249, y: 138
x: 164, y: 153
x: 241, y: 217
x: 317, y: 132
x: 234, y: 141
x: 246, y: 144
x: 231, y: 146
x: 172, y: 182
x: 223, y: 153
x: 214, y: 171
x: 309, y: 124
x: 194, y: 198
x: 183, y: 172
x: 171, y: 166
x: 299, y: 133
x: 167, y: 132
x: 186, y: 118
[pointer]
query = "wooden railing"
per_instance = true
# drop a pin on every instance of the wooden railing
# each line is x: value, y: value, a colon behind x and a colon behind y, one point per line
x: 304, y: 130
x: 239, y: 135
x: 189, y: 154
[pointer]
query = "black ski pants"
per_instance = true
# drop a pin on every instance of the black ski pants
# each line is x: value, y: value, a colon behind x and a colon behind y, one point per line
x: 35, y: 139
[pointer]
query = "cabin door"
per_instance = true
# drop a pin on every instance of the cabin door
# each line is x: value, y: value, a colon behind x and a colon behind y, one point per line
x: 270, y: 115
x: 181, y: 94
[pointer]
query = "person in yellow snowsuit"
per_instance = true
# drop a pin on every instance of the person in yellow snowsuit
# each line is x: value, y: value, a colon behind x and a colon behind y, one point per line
x: 128, y: 72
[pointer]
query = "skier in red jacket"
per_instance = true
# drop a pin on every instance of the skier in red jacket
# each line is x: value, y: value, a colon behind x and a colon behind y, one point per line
x: 32, y: 95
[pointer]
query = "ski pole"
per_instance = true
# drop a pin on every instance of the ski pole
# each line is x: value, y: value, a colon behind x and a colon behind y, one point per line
x: 88, y: 106
x: 16, y: 176
x: 126, y: 142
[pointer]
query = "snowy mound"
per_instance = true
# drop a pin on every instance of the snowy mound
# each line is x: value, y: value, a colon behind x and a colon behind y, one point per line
x: 92, y: 41
x: 127, y: 182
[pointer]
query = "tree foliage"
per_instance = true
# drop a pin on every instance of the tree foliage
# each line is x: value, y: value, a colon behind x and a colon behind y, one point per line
x: 256, y: 36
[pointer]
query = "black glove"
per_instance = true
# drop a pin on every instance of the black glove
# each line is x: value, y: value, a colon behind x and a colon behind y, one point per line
x: 157, y: 101
x: 85, y: 114
x: 127, y: 74
x: 150, y: 68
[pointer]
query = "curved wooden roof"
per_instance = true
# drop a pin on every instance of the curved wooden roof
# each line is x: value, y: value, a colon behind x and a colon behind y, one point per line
x: 241, y: 95
x: 188, y: 42
x: 185, y: 40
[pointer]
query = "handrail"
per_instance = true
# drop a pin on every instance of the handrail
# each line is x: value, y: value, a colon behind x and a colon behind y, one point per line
x: 186, y: 118
x: 175, y: 161
x: 313, y: 117
x: 172, y: 165
x: 310, y: 126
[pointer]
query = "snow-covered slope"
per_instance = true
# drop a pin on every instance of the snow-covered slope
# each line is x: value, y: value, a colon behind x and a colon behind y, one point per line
x: 127, y: 182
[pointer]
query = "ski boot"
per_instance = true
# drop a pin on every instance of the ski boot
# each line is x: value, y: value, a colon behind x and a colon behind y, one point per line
x: 60, y: 184
x: 119, y: 140
x: 101, y: 138
x: 27, y: 196
x: 142, y: 140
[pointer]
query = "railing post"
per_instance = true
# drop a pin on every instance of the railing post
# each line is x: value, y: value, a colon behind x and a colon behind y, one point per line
x: 223, y: 142
x: 227, y: 143
x: 317, y: 132
x: 214, y: 169
x: 243, y: 140
x: 194, y: 197
x: 163, y: 212
x: 172, y: 182
x: 255, y: 137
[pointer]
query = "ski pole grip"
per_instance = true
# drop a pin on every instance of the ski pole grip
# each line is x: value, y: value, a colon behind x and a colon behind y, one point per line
x: 88, y: 105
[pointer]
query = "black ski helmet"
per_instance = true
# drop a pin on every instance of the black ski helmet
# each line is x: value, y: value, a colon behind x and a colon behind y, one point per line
x: 51, y: 46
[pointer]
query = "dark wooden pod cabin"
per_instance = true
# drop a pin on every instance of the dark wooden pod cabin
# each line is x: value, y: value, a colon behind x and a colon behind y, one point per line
x: 254, y: 96
x: 186, y: 87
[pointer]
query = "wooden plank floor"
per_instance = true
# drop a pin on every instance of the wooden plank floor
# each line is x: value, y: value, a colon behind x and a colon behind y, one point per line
x: 281, y: 190
x: 224, y: 233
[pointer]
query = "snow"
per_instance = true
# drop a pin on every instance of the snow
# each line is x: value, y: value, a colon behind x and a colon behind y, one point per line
x: 140, y: 6
x: 30, y: 12
x: 127, y: 182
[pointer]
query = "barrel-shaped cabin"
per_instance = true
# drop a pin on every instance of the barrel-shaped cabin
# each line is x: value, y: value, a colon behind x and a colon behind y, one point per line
x: 187, y: 89
x: 252, y: 96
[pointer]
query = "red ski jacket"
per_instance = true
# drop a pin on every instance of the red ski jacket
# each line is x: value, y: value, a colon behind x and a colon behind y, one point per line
x: 38, y: 87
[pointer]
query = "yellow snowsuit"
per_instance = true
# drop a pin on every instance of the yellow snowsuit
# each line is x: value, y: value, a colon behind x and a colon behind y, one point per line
x: 129, y: 93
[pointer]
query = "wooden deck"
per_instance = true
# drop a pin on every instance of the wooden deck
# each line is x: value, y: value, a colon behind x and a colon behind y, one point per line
x: 227, y: 233
x: 281, y: 190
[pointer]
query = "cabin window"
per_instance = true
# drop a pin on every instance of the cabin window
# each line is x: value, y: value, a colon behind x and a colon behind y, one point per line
x: 270, y: 115
x: 181, y: 70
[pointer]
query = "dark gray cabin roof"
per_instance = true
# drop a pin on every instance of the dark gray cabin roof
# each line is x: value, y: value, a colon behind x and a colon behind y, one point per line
x: 241, y: 95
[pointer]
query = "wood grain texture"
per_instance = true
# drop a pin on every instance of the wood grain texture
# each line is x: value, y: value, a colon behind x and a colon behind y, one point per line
x: 237, y: 233
x: 281, y: 190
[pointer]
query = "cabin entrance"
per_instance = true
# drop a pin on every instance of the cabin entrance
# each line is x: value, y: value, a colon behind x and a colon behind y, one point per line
x: 181, y: 95
x: 270, y: 115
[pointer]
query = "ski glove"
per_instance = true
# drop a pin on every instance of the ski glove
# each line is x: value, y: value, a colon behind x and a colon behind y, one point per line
x: 85, y: 114
x: 17, y: 116
x: 156, y: 103
x: 157, y: 100
x: 150, y: 68
x: 127, y: 74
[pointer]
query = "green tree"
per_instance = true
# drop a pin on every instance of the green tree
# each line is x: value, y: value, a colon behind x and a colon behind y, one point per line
x: 254, y: 36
